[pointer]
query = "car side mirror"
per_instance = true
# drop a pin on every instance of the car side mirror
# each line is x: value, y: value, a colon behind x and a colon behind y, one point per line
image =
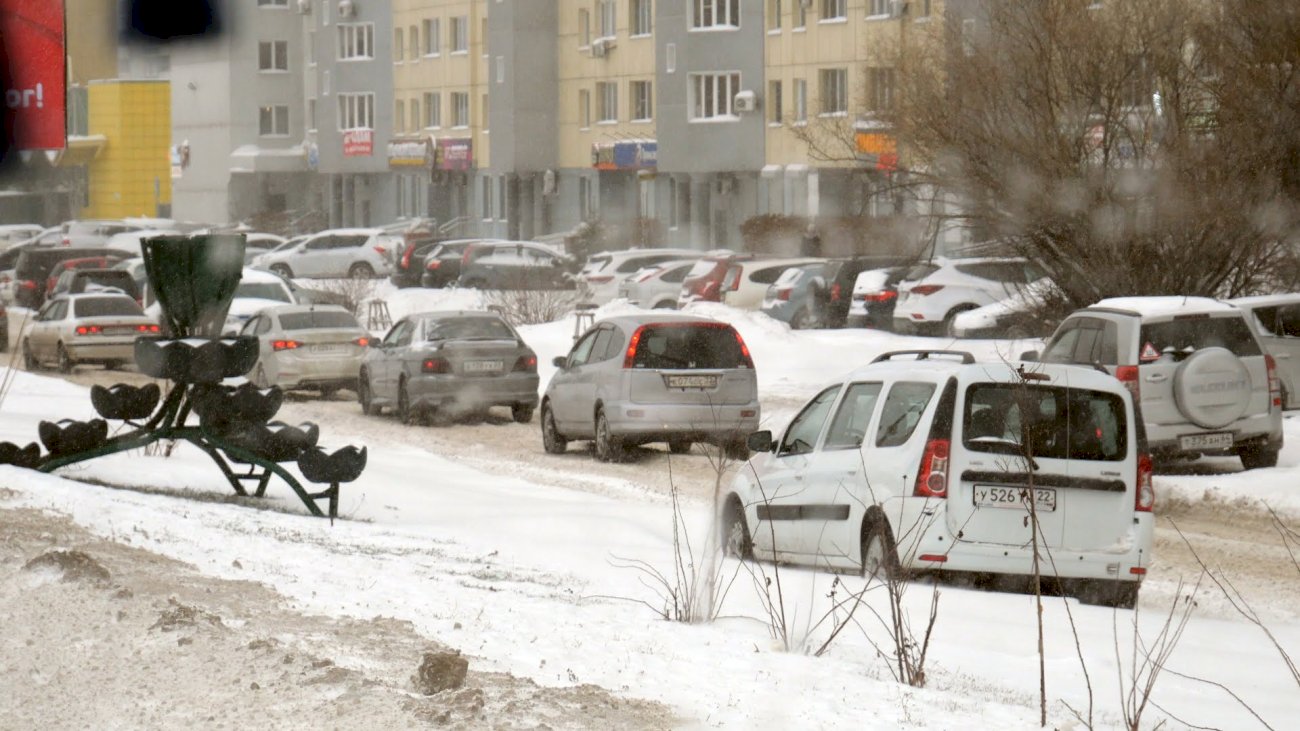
x: 760, y: 441
x: 559, y: 361
x: 1029, y: 355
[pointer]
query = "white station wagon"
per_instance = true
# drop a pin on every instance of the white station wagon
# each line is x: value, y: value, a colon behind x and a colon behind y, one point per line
x: 915, y: 463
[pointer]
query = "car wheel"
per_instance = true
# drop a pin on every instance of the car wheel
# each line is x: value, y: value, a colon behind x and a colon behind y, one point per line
x: 1254, y: 458
x: 879, y: 556
x: 29, y: 358
x: 736, y: 541
x: 609, y: 448
x: 552, y: 441
x: 522, y: 413
x: 282, y: 270
x: 361, y: 270
x: 66, y: 363
x: 679, y: 446
x: 365, y: 396
x: 403, y: 404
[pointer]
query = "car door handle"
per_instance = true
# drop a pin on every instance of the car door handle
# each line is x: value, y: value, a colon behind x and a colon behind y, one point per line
x: 1157, y: 378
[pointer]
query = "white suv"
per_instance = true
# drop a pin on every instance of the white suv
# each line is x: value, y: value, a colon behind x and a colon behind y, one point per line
x: 930, y: 305
x: 1204, y: 384
x: 604, y: 272
x: 357, y: 253
x: 915, y: 462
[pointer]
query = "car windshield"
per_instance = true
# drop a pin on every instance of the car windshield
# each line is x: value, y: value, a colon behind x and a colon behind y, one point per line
x: 318, y: 320
x: 262, y: 290
x: 106, y: 307
x: 1185, y: 335
x: 468, y: 328
x: 689, y: 346
x: 1045, y: 421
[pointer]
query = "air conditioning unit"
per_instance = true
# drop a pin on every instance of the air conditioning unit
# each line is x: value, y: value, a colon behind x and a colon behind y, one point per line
x: 745, y: 101
x: 304, y: 7
x: 347, y: 9
x: 897, y: 8
x: 602, y: 47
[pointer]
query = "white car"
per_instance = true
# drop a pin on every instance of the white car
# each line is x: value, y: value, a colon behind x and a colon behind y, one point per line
x: 919, y: 462
x: 128, y: 242
x: 1275, y: 319
x: 1012, y: 317
x: 656, y: 287
x: 256, y: 291
x: 18, y: 232
x: 604, y: 272
x: 931, y: 304
x: 359, y: 253
x: 746, y: 281
x: 307, y: 346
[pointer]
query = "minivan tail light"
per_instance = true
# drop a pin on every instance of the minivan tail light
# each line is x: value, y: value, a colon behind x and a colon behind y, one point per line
x: 744, y: 350
x: 1274, y: 385
x: 1128, y: 375
x: 924, y: 289
x: 435, y: 365
x: 1146, y: 491
x: 932, y: 478
x: 631, y: 347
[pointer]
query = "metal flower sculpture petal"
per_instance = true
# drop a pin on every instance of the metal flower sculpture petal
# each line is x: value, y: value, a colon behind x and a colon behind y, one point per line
x: 69, y: 437
x: 28, y: 457
x: 345, y: 465
x: 194, y: 279
x: 125, y: 402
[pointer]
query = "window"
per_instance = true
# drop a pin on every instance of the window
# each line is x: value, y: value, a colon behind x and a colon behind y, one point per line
x: 801, y: 436
x: 483, y: 108
x: 834, y: 9
x: 853, y: 417
x: 800, y: 100
x: 502, y: 193
x: 715, y: 14
x: 483, y: 36
x: 432, y: 36
x: 1279, y: 321
x: 1053, y: 422
x: 688, y: 346
x: 922, y: 9
x: 272, y: 3
x: 607, y: 15
x: 584, y: 28
x: 902, y: 412
x: 774, y: 102
x: 1183, y: 336
x: 415, y: 115
x: 607, y: 101
x: 356, y: 110
x: 800, y: 12
x: 584, y: 198
x: 413, y: 36
x: 356, y: 41
x: 1138, y: 85
x: 642, y: 101
x: 774, y: 14
x: 882, y: 89
x: 399, y: 116
x: 273, y: 121
x: 673, y: 219
x: 1084, y: 340
x: 712, y: 94
x: 399, y: 47
x: 485, y: 197
x: 641, y: 17
x: 460, y: 34
x: 459, y: 109
x: 432, y: 109
x: 311, y: 48
x: 878, y: 7
x: 273, y: 56
x: 584, y: 108
x: 311, y: 115
x: 834, y: 91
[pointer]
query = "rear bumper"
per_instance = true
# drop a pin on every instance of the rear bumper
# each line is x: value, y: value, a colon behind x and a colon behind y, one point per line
x: 301, y: 372
x: 104, y: 349
x: 920, y: 528
x: 439, y: 391
x: 1263, y: 431
x: 700, y: 422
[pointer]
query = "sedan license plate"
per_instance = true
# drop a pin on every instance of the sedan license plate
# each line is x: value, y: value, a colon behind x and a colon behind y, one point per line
x: 691, y: 381
x: 482, y: 366
x: 1205, y: 441
x: 328, y: 349
x: 1015, y: 498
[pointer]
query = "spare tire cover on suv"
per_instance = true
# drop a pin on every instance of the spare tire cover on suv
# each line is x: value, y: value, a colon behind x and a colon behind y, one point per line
x: 1212, y: 388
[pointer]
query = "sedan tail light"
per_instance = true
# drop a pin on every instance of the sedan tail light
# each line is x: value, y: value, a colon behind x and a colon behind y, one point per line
x: 89, y: 329
x: 526, y: 364
x: 435, y: 365
x: 925, y: 289
x: 147, y: 328
x: 362, y: 342
x: 286, y: 345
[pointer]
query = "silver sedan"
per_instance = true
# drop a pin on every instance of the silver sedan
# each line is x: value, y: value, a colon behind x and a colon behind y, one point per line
x: 306, y: 346
x: 86, y: 328
x: 450, y: 363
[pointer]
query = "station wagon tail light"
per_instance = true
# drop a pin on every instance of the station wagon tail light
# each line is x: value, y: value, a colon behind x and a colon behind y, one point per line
x: 631, y: 347
x: 744, y: 350
x: 435, y: 365
x: 1274, y: 385
x: 286, y: 345
x: 925, y: 289
x: 89, y: 330
x: 147, y: 328
x: 1146, y: 491
x: 526, y: 364
x: 1128, y: 375
x: 932, y: 479
x: 362, y: 342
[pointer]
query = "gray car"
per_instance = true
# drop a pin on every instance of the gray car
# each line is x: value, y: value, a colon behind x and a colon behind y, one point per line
x: 448, y: 364
x: 653, y: 377
x: 799, y: 296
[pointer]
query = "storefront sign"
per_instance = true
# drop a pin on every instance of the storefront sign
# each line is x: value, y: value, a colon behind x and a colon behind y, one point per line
x: 358, y: 143
x: 33, y: 54
x: 405, y: 153
x: 878, y: 148
x: 455, y: 154
x: 625, y: 155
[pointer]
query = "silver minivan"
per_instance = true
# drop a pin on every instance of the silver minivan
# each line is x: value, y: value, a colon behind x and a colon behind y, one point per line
x: 653, y: 377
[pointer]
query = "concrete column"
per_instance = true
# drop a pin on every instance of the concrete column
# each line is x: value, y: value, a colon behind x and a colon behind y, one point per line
x: 700, y: 211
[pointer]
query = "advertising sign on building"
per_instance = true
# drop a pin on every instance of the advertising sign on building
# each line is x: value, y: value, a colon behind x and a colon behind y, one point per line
x: 878, y: 149
x: 625, y: 155
x: 358, y: 143
x: 31, y: 46
x: 455, y: 154
x: 408, y: 153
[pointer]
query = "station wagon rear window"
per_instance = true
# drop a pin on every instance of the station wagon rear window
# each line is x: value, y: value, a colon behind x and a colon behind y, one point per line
x: 467, y: 328
x: 1054, y: 422
x: 317, y: 320
x: 1186, y: 335
x: 688, y: 346
x: 107, y: 307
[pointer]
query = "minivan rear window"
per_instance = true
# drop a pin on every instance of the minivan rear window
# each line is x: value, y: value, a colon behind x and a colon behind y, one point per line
x: 1055, y: 422
x: 1185, y: 336
x: 317, y: 320
x: 688, y: 346
x: 107, y: 307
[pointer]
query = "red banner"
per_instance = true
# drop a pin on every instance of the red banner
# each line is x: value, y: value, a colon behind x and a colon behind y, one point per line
x: 31, y: 32
x: 358, y: 143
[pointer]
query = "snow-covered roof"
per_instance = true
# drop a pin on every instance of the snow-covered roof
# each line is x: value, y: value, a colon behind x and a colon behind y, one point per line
x: 1155, y: 306
x: 1267, y: 300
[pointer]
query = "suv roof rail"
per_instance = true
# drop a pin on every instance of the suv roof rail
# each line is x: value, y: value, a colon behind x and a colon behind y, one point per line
x: 966, y: 358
